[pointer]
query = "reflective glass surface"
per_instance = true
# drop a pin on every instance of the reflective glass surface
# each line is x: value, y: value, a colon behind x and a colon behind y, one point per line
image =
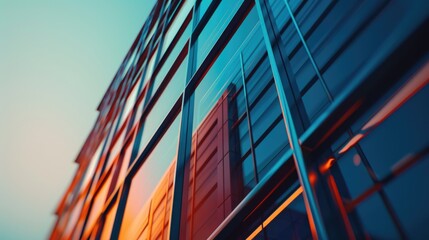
x: 288, y: 221
x: 176, y: 24
x: 380, y: 171
x: 222, y: 141
x: 108, y: 222
x: 214, y: 27
x: 163, y: 105
x: 147, y: 178
x: 345, y: 81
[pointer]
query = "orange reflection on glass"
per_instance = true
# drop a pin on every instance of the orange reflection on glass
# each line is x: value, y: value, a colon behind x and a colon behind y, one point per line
x: 351, y: 143
x: 338, y: 199
x: 254, y: 233
x: 124, y: 164
x: 108, y: 224
x: 356, y: 160
x: 98, y: 204
x: 312, y: 177
x: 212, y: 188
x: 151, y: 221
x: 282, y: 207
x: 327, y: 165
x: 416, y: 83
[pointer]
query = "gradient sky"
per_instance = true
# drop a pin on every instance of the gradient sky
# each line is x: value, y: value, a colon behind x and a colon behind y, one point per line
x: 57, y: 59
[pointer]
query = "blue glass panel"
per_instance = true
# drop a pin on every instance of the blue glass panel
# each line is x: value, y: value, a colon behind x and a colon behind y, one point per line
x: 177, y: 23
x: 271, y: 149
x: 215, y: 26
x: 391, y: 141
x: 375, y: 219
x: 291, y: 223
x: 409, y: 196
x: 163, y: 105
x: 354, y: 173
x: 172, y: 57
x: 224, y: 70
x: 315, y: 100
x: 202, y: 7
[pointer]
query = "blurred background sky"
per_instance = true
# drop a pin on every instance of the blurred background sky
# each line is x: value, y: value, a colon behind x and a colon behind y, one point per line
x: 57, y: 59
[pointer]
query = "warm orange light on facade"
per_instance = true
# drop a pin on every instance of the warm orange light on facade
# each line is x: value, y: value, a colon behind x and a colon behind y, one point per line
x: 327, y: 165
x: 351, y: 143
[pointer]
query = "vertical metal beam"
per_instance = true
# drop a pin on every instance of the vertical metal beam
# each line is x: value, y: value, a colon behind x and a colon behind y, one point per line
x: 281, y: 78
x: 123, y: 193
x: 146, y: 99
x: 249, y: 122
x: 184, y: 146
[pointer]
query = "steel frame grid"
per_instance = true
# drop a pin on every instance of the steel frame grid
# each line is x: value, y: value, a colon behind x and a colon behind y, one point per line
x: 304, y: 142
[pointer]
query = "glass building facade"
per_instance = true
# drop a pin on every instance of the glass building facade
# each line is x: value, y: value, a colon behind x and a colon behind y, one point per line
x: 261, y: 119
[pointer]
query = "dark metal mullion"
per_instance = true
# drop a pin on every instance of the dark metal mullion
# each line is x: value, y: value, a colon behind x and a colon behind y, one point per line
x: 184, y: 145
x: 135, y: 166
x: 202, y: 21
x: 147, y: 92
x: 156, y: 60
x: 249, y: 122
x: 93, y: 178
x: 165, y: 124
x: 279, y: 72
x: 124, y: 194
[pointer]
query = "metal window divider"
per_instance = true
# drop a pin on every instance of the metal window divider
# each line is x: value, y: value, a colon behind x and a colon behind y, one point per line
x: 280, y: 73
x: 184, y: 145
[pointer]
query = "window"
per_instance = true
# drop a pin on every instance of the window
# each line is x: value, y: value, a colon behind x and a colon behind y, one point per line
x: 224, y: 149
x: 109, y: 220
x: 97, y: 204
x: 163, y: 105
x: 177, y: 23
x: 288, y: 221
x: 380, y: 165
x: 147, y: 177
x: 214, y: 27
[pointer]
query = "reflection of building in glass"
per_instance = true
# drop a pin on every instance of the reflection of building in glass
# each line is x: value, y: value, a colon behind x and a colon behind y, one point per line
x: 264, y: 119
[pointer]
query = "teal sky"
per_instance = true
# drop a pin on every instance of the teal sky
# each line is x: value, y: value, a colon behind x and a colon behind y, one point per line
x: 57, y: 59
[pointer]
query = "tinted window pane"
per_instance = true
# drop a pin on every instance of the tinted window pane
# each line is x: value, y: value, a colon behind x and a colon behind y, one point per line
x: 148, y: 176
x: 108, y: 223
x: 288, y: 221
x: 385, y: 146
x: 382, y: 167
x: 409, y: 196
x: 202, y: 7
x: 163, y: 105
x: 375, y: 219
x: 215, y: 27
x: 98, y: 204
x: 176, y: 24
x: 223, y: 70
